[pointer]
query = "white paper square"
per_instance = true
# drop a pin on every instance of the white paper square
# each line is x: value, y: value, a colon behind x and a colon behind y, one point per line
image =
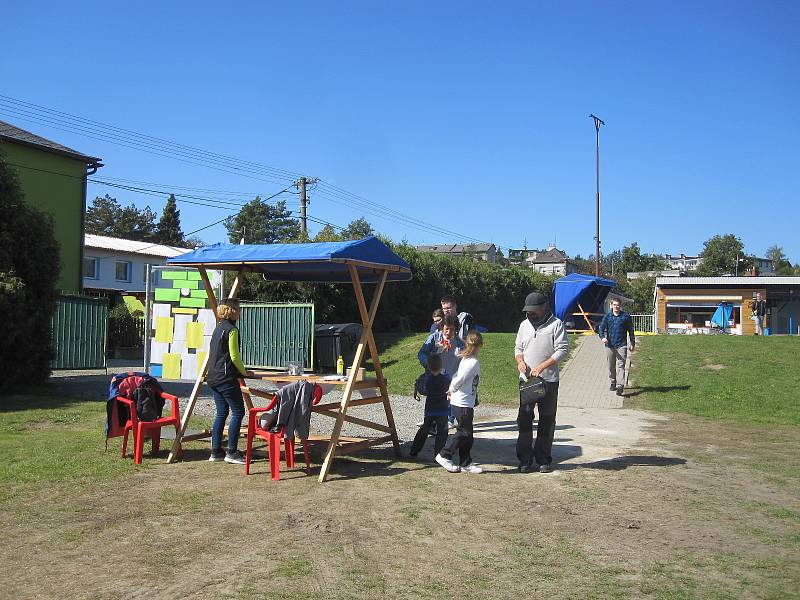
x: 188, y: 366
x: 178, y: 347
x: 161, y: 310
x: 181, y: 321
x: 206, y: 344
x: 157, y: 350
x: 206, y: 317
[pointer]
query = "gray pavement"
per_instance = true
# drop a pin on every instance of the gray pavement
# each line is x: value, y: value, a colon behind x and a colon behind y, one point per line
x: 584, y: 380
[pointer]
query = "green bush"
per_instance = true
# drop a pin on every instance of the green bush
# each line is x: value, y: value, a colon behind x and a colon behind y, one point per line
x: 29, y: 267
x: 493, y: 294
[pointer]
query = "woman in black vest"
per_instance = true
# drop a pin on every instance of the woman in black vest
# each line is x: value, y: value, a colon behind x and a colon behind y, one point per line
x: 225, y: 367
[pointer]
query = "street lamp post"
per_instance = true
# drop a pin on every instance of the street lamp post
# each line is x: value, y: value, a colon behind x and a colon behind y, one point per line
x: 597, y: 123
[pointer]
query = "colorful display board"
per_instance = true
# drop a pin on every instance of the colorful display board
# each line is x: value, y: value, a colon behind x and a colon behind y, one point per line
x: 181, y: 323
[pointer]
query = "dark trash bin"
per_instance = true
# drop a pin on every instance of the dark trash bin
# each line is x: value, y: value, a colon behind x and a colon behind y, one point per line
x: 334, y: 340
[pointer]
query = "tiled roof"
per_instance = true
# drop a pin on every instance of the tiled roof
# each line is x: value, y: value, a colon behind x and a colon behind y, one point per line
x: 103, y: 242
x: 15, y: 134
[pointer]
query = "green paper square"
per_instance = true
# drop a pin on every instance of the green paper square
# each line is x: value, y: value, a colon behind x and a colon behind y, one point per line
x: 173, y: 275
x: 193, y: 276
x: 185, y: 283
x: 199, y: 294
x: 193, y: 302
x: 167, y: 295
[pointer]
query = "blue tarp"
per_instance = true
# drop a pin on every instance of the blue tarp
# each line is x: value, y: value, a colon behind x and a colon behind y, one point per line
x: 322, y: 261
x: 590, y: 291
x: 722, y: 315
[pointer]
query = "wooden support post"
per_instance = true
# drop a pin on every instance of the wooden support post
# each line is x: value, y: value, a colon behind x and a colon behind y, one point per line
x: 201, y: 375
x: 373, y: 350
x: 237, y: 285
x: 586, y: 317
x: 366, y: 335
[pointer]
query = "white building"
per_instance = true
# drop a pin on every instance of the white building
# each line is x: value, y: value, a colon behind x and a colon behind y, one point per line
x: 112, y: 264
x: 683, y: 263
x: 551, y: 261
x: 478, y: 252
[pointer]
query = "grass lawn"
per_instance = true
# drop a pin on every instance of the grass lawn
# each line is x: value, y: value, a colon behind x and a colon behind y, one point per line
x: 743, y: 379
x: 499, y: 376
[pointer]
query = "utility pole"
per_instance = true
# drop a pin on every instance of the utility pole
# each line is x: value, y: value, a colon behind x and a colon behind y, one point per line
x: 300, y: 184
x: 597, y: 123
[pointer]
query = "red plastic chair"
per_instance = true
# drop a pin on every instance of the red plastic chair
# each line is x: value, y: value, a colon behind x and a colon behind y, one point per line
x: 151, y: 429
x: 273, y: 439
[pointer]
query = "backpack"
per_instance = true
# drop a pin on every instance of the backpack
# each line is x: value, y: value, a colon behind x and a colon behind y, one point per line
x: 148, y: 406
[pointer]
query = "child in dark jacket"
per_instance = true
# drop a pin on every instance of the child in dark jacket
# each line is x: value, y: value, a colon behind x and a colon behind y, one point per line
x: 434, y: 385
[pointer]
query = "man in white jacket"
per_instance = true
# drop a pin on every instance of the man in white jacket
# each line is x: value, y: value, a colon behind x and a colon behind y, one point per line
x: 540, y: 345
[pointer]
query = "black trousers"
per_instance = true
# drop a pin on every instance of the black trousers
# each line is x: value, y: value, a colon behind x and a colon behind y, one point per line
x: 462, y: 439
x: 425, y: 429
x: 527, y: 451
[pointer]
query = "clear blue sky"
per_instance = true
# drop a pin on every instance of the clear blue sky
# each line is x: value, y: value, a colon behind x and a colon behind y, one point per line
x: 469, y: 114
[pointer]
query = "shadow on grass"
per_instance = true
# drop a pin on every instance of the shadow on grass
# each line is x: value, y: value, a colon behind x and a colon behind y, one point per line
x: 39, y: 397
x: 621, y: 463
x: 661, y: 389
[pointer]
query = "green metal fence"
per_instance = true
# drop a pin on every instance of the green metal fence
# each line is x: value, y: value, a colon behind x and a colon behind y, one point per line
x: 80, y: 330
x: 273, y: 334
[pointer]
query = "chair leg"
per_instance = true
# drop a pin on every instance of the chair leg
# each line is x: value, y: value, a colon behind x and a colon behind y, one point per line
x: 125, y: 441
x: 305, y: 454
x: 249, y: 451
x: 288, y: 449
x: 138, y: 445
x: 275, y: 457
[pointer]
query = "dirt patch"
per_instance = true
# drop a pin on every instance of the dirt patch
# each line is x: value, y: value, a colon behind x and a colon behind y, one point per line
x: 649, y: 507
x: 711, y: 366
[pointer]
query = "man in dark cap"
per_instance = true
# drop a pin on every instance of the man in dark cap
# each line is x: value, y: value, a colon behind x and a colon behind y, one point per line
x: 541, y: 344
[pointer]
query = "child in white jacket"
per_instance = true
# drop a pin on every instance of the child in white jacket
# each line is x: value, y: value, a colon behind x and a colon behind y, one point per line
x: 463, y: 396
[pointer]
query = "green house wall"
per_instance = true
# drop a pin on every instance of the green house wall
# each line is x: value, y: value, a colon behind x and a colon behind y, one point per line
x: 60, y: 196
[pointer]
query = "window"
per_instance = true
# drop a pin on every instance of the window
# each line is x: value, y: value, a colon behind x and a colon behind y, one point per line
x: 90, y: 268
x: 153, y: 274
x: 123, y: 271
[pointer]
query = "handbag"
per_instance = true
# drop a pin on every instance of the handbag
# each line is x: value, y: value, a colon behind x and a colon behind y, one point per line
x: 532, y: 390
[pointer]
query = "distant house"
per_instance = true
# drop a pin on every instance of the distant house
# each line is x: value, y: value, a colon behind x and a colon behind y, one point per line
x: 687, y: 264
x: 53, y: 179
x: 683, y: 263
x: 117, y: 265
x: 665, y: 273
x: 479, y: 252
x: 551, y: 261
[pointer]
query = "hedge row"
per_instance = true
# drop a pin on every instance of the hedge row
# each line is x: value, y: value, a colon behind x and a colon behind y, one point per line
x: 493, y: 294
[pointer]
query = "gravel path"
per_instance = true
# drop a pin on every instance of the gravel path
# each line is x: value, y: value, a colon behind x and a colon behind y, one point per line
x: 407, y: 411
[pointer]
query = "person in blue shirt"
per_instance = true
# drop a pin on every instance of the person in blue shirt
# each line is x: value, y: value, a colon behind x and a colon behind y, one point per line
x: 615, y: 330
x: 433, y: 384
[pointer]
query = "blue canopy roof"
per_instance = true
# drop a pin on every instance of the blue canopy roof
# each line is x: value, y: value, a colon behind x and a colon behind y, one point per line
x: 590, y: 291
x: 321, y: 261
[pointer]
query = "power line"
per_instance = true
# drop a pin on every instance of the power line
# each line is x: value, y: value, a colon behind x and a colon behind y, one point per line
x: 199, y: 157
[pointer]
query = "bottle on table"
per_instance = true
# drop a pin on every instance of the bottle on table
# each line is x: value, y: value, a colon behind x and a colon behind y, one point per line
x: 340, y: 366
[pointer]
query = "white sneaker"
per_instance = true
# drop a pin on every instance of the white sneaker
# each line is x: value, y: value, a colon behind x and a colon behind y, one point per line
x: 447, y: 464
x: 237, y: 458
x: 472, y: 468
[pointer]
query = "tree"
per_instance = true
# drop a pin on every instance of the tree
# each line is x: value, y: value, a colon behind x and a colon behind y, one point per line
x: 780, y: 263
x: 632, y: 260
x: 29, y: 267
x: 641, y: 291
x: 107, y: 217
x: 168, y: 230
x: 327, y: 234
x: 358, y: 229
x: 720, y: 255
x: 584, y: 265
x: 262, y: 223
x: 194, y: 241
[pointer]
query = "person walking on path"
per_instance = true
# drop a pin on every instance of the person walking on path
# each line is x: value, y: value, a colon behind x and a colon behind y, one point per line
x: 540, y: 345
x: 759, y: 312
x: 225, y: 367
x: 434, y: 385
x: 615, y: 329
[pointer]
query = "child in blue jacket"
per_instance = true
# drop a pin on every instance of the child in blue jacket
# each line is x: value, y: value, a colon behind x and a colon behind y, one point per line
x: 433, y: 384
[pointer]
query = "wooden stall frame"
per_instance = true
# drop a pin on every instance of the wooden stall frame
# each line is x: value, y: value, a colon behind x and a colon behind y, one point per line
x: 367, y: 342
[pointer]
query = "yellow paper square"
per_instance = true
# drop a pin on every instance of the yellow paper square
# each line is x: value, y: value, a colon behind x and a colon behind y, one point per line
x: 172, y: 366
x: 194, y: 335
x: 201, y: 356
x: 164, y: 327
